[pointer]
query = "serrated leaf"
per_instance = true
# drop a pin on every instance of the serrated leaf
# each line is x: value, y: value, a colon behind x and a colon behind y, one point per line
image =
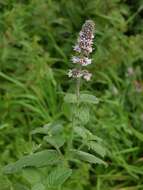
x: 58, y: 176
x: 38, y: 186
x: 82, y: 132
x: 83, y: 114
x: 86, y: 134
x: 87, y: 157
x: 39, y: 159
x: 97, y: 148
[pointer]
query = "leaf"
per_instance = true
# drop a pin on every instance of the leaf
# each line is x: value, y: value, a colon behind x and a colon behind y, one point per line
x: 39, y: 159
x: 86, y: 134
x: 82, y: 132
x: 88, y: 98
x: 97, y: 148
x: 58, y: 176
x: 38, y: 186
x: 85, y: 98
x: 19, y: 186
x: 56, y: 141
x: 32, y: 175
x: 88, y: 157
x: 70, y: 98
x: 51, y: 128
x: 83, y: 114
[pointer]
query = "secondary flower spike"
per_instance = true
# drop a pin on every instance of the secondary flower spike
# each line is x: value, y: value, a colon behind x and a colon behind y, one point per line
x: 83, y: 48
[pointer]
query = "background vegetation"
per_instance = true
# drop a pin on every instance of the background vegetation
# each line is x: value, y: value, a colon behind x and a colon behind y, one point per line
x: 35, y: 49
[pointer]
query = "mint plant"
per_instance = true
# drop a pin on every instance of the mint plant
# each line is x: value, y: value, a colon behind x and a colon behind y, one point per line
x: 59, y: 150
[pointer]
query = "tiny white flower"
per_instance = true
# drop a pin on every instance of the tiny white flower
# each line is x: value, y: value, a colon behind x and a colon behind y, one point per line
x: 77, y: 48
x: 86, y: 61
x: 86, y: 75
x: 75, y: 59
x: 70, y: 73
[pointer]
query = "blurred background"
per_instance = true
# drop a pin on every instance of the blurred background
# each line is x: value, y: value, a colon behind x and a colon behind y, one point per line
x: 36, y: 40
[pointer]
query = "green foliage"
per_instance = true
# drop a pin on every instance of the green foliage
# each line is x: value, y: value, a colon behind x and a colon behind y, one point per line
x: 84, y: 98
x: 40, y: 159
x: 38, y: 186
x: 58, y: 176
x: 87, y: 157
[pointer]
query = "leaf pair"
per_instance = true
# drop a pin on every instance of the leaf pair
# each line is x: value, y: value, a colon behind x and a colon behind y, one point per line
x: 84, y: 98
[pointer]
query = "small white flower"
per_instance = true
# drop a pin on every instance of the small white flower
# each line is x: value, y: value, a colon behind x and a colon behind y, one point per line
x: 79, y: 75
x: 75, y: 59
x: 86, y: 75
x: 75, y: 73
x: 84, y: 61
x: 70, y: 73
x: 77, y: 48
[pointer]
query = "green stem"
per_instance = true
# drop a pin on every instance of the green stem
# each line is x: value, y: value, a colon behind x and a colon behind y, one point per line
x: 78, y: 91
x: 70, y: 142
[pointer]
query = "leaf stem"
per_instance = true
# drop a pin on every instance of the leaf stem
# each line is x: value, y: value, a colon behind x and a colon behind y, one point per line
x: 75, y: 112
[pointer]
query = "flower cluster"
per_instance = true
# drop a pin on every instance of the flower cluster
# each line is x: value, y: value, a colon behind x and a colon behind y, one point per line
x: 76, y: 73
x: 83, y: 48
x: 84, y: 61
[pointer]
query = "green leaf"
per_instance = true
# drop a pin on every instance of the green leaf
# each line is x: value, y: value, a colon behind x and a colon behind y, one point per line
x: 39, y: 159
x: 88, y: 98
x: 86, y: 134
x: 83, y: 114
x: 56, y: 141
x: 70, y: 98
x: 19, y: 186
x: 87, y: 157
x: 32, y: 175
x: 58, y: 176
x: 97, y: 148
x: 38, y: 186
x: 82, y: 132
x: 85, y: 98
x: 51, y: 128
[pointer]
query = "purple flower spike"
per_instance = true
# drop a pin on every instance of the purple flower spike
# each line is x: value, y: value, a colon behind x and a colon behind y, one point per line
x: 83, y: 48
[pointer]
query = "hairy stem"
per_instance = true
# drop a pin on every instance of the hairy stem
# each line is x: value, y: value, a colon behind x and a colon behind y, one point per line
x: 75, y: 112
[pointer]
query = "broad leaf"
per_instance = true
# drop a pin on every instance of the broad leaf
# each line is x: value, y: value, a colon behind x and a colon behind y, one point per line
x: 86, y: 134
x: 51, y: 128
x: 70, y: 98
x: 58, y: 176
x: 88, y: 98
x: 83, y: 114
x: 39, y: 159
x: 85, y: 98
x: 87, y: 157
x: 32, y: 175
x: 97, y: 148
x: 56, y: 141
